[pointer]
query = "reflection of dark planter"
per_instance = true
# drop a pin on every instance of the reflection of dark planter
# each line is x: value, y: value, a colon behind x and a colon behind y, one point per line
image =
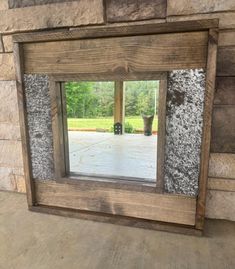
x: 148, y: 123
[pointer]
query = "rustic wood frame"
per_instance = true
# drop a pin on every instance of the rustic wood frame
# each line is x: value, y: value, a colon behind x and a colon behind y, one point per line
x: 38, y: 200
x: 59, y: 126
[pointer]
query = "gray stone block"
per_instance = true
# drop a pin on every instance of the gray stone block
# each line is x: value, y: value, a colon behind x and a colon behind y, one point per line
x: 184, y: 120
x: 39, y: 125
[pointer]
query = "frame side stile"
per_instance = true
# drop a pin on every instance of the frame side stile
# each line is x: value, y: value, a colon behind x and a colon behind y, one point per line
x: 56, y: 117
x: 207, y: 118
x: 30, y: 188
x: 161, y: 132
x: 65, y: 127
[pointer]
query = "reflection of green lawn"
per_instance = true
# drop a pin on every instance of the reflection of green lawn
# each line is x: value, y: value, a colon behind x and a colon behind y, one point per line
x: 107, y: 123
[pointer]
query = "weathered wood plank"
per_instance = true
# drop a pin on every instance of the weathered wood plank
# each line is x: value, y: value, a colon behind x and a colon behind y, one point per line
x: 120, y: 55
x: 57, y: 129
x: 206, y: 134
x: 118, y: 220
x: 161, y: 132
x: 226, y: 61
x: 129, y: 10
x: 115, y: 31
x: 110, y: 77
x: 225, y: 91
x: 18, y: 53
x: 65, y: 128
x: 223, y: 129
x: 107, y: 182
x: 189, y: 7
x: 160, y: 207
x: 221, y: 184
x: 222, y: 165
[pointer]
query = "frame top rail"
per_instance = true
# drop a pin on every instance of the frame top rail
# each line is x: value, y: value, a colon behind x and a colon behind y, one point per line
x: 116, y: 31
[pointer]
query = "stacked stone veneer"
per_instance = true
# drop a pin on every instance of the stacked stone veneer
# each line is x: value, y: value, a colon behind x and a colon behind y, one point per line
x: 33, y: 15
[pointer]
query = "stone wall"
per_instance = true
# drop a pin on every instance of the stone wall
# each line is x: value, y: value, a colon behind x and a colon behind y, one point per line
x: 31, y: 15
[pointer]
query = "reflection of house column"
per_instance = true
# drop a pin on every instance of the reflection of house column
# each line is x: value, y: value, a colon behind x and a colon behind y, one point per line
x: 119, y: 108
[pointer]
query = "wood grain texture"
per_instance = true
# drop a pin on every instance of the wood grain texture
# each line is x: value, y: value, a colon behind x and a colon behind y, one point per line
x: 18, y: 58
x: 119, y: 55
x: 161, y: 132
x: 116, y: 31
x: 222, y: 165
x: 226, y: 61
x: 132, y: 10
x: 223, y: 129
x: 110, y: 77
x: 206, y: 134
x: 221, y: 184
x: 118, y: 220
x: 107, y: 182
x: 57, y: 129
x: 225, y: 91
x: 160, y: 207
x: 65, y: 141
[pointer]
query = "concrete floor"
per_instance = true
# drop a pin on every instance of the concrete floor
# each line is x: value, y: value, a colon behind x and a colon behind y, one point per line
x: 38, y: 241
x: 129, y: 155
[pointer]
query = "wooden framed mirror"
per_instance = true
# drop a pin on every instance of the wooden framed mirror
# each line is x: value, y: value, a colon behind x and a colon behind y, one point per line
x: 182, y: 56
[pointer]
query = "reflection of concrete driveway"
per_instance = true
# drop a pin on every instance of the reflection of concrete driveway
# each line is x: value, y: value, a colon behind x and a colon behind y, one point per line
x: 129, y: 155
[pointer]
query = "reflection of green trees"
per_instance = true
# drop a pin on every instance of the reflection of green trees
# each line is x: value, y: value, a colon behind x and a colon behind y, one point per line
x: 96, y: 99
x: 140, y: 97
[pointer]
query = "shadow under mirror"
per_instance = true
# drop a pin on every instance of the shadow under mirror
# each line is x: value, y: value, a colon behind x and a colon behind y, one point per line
x: 112, y: 129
